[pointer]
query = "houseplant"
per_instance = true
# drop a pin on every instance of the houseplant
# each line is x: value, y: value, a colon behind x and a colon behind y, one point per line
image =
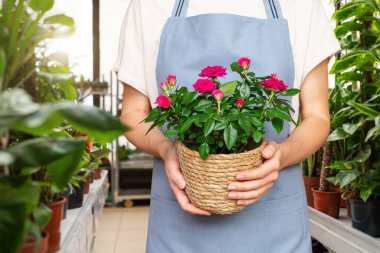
x: 220, y: 124
x: 311, y: 169
x: 357, y: 125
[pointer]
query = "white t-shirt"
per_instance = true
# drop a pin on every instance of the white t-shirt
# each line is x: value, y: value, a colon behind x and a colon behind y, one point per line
x: 311, y: 35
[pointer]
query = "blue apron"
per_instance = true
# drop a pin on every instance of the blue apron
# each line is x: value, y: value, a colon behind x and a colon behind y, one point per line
x: 277, y: 223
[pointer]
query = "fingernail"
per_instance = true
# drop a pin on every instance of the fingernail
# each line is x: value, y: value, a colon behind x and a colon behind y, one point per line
x: 240, y: 176
x: 182, y: 184
x: 232, y: 195
x: 267, y: 152
x: 232, y: 187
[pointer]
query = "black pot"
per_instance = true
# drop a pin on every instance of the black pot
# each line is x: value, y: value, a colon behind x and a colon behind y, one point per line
x: 92, y: 176
x: 76, y: 197
x: 66, y: 194
x: 366, y: 216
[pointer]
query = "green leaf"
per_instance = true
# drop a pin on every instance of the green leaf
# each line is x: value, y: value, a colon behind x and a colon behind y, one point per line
x: 255, y: 121
x: 277, y: 124
x: 204, y: 150
x: 209, y: 126
x: 245, y: 125
x: 230, y: 136
x: 153, y: 115
x: 364, y: 155
x: 365, y: 193
x: 186, y: 125
x: 373, y: 133
x: 290, y: 92
x: 189, y: 97
x: 235, y: 67
x: 351, y: 128
x: 220, y: 125
x: 365, y: 110
x: 229, y: 88
x: 337, y: 134
x: 186, y: 112
x: 41, y: 5
x: 42, y: 215
x: 280, y: 114
x: 245, y: 91
x: 257, y: 136
x: 347, y: 177
x: 171, y: 133
x: 203, y: 104
x: 60, y: 19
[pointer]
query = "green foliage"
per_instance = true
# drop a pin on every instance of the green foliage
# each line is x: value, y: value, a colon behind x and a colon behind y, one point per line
x: 355, y: 100
x: 213, y: 127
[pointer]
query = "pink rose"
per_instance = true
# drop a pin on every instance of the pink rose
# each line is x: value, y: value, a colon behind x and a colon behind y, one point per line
x: 164, y: 86
x: 172, y: 80
x: 239, y: 102
x: 213, y: 71
x: 163, y: 101
x: 218, y: 95
x: 204, y: 85
x: 274, y: 84
x: 244, y: 62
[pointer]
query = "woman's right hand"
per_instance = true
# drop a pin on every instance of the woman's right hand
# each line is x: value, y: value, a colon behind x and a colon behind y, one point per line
x: 177, y: 181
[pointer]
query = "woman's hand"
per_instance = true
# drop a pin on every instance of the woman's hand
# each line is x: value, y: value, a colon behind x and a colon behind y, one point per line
x: 177, y: 182
x: 255, y: 183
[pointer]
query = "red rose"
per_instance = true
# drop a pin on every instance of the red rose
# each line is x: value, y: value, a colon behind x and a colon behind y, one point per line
x: 274, y: 84
x: 239, y: 102
x: 163, y: 101
x: 213, y: 71
x: 204, y: 85
x: 244, y: 62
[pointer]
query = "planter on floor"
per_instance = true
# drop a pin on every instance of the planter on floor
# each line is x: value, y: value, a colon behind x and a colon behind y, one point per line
x: 54, y: 225
x: 366, y: 216
x: 31, y: 246
x: 327, y: 202
x: 310, y: 182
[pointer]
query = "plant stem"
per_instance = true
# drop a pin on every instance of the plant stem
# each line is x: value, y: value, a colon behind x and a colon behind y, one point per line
x: 325, y: 172
x: 267, y: 104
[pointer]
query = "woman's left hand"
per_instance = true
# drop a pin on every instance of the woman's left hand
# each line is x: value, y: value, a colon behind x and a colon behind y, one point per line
x: 255, y: 183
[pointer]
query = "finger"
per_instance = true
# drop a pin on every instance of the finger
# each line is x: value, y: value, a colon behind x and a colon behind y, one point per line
x: 253, y: 184
x: 246, y: 202
x: 184, y: 202
x: 254, y: 194
x: 263, y: 171
x: 269, y: 151
x: 174, y: 173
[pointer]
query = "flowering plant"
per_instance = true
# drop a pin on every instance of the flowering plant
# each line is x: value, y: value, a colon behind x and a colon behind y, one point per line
x: 219, y: 118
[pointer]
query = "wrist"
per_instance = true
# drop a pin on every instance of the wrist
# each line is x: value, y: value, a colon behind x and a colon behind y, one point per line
x: 165, y: 146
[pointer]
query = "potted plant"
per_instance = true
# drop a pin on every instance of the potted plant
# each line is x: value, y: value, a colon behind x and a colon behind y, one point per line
x: 358, y: 123
x: 311, y: 169
x: 99, y: 87
x: 220, y: 124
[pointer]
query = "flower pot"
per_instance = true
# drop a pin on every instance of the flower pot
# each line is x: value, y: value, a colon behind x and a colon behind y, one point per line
x: 98, y: 173
x: 343, y: 202
x: 327, y: 202
x: 206, y: 186
x: 87, y: 184
x: 30, y: 244
x: 66, y: 194
x: 366, y: 216
x: 54, y: 225
x: 76, y: 197
x: 310, y: 182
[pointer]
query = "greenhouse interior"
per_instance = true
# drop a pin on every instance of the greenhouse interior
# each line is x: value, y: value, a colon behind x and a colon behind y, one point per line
x: 80, y: 128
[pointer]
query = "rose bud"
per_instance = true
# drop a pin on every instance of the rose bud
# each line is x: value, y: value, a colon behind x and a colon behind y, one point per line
x: 239, y: 102
x: 163, y: 101
x: 164, y: 86
x: 218, y: 95
x: 244, y: 63
x: 172, y: 80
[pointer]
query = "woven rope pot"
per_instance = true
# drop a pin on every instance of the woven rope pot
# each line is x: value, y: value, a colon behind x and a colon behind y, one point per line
x: 207, y: 180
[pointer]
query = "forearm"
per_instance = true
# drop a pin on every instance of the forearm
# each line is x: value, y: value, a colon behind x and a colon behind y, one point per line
x: 154, y: 142
x: 305, y: 140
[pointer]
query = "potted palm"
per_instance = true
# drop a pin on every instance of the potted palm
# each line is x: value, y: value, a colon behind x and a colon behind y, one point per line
x: 358, y: 123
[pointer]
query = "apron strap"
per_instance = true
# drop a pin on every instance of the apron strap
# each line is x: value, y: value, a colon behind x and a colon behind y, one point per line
x: 272, y: 8
x: 180, y: 8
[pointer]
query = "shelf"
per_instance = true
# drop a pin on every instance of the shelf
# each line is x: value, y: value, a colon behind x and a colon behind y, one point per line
x: 78, y: 229
x: 136, y: 164
x: 338, y: 234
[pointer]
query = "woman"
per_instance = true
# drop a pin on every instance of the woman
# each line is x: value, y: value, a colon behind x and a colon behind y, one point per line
x: 292, y: 38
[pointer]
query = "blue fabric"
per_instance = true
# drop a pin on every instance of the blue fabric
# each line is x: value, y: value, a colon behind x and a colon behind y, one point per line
x: 278, y: 223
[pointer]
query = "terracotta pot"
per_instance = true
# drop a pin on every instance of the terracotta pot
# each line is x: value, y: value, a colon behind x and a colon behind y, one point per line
x: 366, y: 216
x: 30, y: 244
x: 343, y: 202
x: 327, y: 202
x: 98, y: 173
x: 53, y: 228
x: 87, y: 184
x: 310, y: 182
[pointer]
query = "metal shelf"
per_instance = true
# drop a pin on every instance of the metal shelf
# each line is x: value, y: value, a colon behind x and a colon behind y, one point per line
x: 338, y: 234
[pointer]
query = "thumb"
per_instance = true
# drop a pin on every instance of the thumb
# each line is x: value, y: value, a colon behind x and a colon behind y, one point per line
x: 269, y: 151
x: 174, y: 173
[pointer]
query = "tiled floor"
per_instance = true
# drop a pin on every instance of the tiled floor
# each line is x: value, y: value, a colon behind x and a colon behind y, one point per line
x: 122, y: 230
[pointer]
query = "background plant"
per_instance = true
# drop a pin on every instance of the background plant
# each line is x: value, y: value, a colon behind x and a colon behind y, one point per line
x: 215, y: 125
x: 357, y: 124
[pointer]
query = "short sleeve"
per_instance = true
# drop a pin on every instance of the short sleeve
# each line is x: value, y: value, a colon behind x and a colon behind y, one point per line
x: 129, y: 65
x: 321, y: 41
